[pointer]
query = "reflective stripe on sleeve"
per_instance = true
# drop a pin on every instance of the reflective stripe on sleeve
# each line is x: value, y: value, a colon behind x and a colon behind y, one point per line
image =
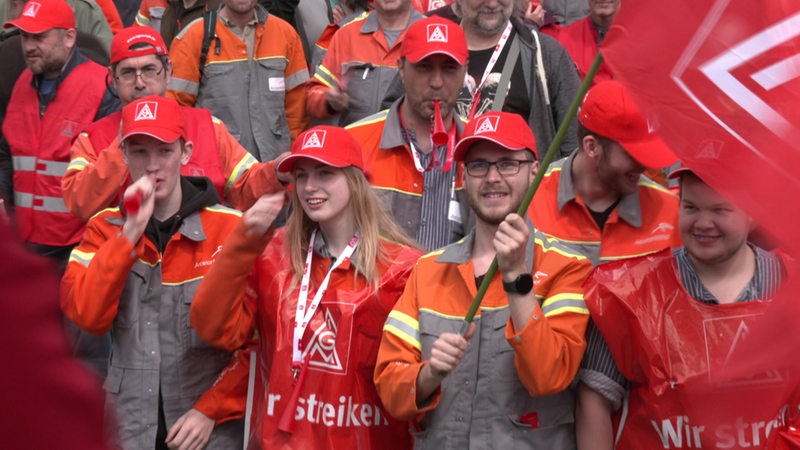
x: 405, y: 327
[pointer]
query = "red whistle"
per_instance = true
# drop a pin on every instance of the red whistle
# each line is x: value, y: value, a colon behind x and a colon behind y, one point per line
x: 439, y: 136
x: 132, y: 203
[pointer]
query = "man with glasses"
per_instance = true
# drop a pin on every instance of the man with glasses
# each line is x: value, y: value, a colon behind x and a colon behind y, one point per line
x: 500, y: 384
x: 58, y: 94
x: 96, y: 176
x: 599, y: 202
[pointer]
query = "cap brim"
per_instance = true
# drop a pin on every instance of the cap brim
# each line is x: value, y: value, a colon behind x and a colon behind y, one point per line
x: 679, y: 172
x: 162, y: 135
x: 287, y: 164
x: 652, y: 153
x: 465, y: 144
x: 28, y: 26
x: 415, y: 58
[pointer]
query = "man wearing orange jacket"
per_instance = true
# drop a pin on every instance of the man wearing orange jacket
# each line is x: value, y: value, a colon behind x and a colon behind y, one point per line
x: 135, y: 273
x: 415, y: 176
x: 360, y: 64
x: 254, y: 78
x: 503, y: 384
x: 97, y: 174
x: 598, y: 201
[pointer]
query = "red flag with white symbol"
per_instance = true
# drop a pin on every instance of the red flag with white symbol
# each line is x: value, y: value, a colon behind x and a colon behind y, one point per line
x: 720, y: 81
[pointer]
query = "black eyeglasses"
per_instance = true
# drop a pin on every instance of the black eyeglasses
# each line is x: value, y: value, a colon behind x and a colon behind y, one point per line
x: 504, y: 167
x: 148, y: 73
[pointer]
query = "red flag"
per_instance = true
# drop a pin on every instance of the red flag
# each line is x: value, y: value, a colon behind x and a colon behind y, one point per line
x: 720, y: 81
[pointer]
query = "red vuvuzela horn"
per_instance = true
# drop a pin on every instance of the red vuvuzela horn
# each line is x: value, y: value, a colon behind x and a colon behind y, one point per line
x: 439, y: 135
x: 132, y: 203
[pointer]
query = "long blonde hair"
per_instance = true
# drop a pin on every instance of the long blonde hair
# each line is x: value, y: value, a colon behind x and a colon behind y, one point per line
x: 371, y: 219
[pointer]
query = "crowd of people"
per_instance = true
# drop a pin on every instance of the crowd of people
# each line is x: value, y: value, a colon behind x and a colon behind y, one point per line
x: 272, y: 237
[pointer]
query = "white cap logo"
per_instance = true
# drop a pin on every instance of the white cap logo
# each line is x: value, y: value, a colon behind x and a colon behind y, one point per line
x: 146, y: 111
x: 487, y: 125
x: 437, y: 33
x: 31, y: 9
x: 315, y: 139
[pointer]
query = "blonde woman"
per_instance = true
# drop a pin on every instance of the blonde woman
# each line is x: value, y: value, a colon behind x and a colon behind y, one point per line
x: 317, y: 293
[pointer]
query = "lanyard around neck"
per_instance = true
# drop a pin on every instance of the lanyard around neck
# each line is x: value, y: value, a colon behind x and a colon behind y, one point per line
x: 475, y: 92
x: 306, y: 311
x: 435, y: 160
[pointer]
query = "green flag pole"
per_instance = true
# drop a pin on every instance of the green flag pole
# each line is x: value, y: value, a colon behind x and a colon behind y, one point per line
x: 526, y: 201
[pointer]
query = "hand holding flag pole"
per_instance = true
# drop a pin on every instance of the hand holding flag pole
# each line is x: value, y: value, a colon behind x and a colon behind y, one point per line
x: 526, y: 201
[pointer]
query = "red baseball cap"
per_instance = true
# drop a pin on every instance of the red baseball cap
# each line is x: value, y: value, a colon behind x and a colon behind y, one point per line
x: 609, y: 111
x: 39, y: 16
x: 329, y: 145
x: 129, y: 37
x: 508, y: 130
x: 434, y: 35
x: 154, y: 116
x: 679, y: 172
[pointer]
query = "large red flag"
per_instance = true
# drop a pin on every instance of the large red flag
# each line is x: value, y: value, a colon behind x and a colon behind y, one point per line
x: 720, y: 81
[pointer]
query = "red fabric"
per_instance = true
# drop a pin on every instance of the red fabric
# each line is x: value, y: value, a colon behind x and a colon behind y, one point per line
x: 580, y: 40
x: 697, y: 68
x: 51, y: 400
x: 675, y: 351
x: 424, y: 6
x: 47, y: 138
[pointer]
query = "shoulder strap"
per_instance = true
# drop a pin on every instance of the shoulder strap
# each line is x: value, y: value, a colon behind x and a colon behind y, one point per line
x: 209, y: 25
x: 505, y: 75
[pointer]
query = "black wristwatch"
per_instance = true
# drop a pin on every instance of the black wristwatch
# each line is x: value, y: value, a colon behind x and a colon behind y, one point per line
x: 521, y: 285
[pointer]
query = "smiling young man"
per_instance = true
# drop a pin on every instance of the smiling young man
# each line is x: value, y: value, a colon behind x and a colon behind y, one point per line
x: 597, y: 201
x: 672, y: 320
x: 504, y: 384
x: 135, y: 274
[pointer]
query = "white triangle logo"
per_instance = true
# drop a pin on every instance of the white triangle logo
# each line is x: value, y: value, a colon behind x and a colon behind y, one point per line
x: 437, y: 33
x: 146, y: 111
x: 488, y: 125
x: 31, y: 9
x: 315, y: 139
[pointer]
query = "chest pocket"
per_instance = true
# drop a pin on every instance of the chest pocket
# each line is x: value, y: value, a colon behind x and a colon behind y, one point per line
x: 364, y: 89
x: 187, y: 333
x: 135, y: 292
x: 503, y: 359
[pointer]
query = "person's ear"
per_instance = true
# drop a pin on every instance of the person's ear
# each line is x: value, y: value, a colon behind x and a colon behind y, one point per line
x: 186, y: 152
x: 592, y: 147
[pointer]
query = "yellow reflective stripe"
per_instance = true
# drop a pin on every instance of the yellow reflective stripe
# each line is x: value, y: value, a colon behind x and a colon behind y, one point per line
x: 77, y: 164
x: 241, y: 167
x: 178, y: 283
x: 566, y: 302
x: 224, y: 210
x: 82, y: 258
x: 405, y: 327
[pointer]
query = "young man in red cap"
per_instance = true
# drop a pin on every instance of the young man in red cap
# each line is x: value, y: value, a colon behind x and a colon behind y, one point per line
x: 693, y: 302
x: 135, y: 273
x: 598, y: 201
x: 504, y: 383
x: 59, y: 94
x: 414, y: 175
x: 97, y: 175
x: 360, y: 63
